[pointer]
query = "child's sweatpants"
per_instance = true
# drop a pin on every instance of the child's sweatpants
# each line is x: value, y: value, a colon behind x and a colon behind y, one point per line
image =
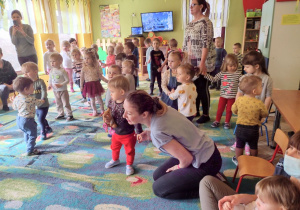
x: 128, y: 141
x: 221, y: 106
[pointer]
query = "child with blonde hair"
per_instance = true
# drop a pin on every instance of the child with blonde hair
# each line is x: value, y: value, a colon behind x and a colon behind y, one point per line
x: 229, y: 77
x: 95, y: 47
x: 67, y: 62
x: 127, y: 71
x: 273, y: 192
x: 58, y: 80
x: 250, y: 111
x: 46, y: 57
x: 124, y: 132
x: 30, y: 70
x: 185, y: 93
x: 90, y: 81
x: 169, y: 80
x: 119, y: 49
x: 110, y: 59
x: 25, y: 105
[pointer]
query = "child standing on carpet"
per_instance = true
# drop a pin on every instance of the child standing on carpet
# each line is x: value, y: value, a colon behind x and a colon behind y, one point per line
x: 128, y: 50
x: 250, y: 111
x: 186, y: 92
x: 30, y: 70
x: 169, y: 80
x: 148, y: 44
x: 124, y: 132
x: 25, y: 104
x: 77, y: 66
x: 67, y: 62
x: 229, y: 77
x: 50, y: 47
x: 127, y: 71
x: 254, y: 64
x: 90, y: 81
x: 110, y: 59
x: 157, y: 57
x: 58, y: 80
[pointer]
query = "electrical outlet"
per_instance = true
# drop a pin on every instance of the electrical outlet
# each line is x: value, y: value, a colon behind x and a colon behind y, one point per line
x: 133, y: 14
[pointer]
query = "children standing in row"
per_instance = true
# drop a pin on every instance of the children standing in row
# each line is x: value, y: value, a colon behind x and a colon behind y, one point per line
x: 67, y: 62
x: 229, y: 77
x: 169, y: 80
x: 250, y: 111
x: 50, y: 47
x: 30, y: 70
x: 58, y: 80
x: 186, y: 92
x: 157, y: 57
x: 25, y: 104
x: 148, y: 44
x: 120, y: 58
x: 90, y: 81
x: 124, y: 132
x: 221, y: 53
x: 128, y: 50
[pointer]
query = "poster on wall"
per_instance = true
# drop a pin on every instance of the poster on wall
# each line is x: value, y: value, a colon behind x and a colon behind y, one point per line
x: 110, y: 21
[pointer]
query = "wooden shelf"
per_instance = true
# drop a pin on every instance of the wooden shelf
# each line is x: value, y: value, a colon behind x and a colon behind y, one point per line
x: 251, y: 32
x: 248, y: 29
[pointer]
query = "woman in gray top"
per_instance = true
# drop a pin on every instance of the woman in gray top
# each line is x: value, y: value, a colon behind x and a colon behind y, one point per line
x: 194, y: 154
x: 22, y: 37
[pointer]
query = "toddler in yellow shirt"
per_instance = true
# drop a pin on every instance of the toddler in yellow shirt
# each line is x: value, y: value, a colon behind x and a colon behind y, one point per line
x: 250, y: 111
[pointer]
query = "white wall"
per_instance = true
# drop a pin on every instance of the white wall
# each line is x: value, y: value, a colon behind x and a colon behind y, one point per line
x: 284, y: 63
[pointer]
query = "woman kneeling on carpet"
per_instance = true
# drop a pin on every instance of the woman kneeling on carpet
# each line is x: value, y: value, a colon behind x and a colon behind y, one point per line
x: 194, y: 154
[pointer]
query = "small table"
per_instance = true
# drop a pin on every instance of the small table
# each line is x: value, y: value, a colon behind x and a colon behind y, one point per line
x: 287, y: 104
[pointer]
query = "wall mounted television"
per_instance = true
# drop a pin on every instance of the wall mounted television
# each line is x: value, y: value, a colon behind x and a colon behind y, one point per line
x: 157, y: 21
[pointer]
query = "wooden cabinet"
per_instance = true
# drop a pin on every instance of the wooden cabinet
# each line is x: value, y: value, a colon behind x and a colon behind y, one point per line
x: 251, y: 34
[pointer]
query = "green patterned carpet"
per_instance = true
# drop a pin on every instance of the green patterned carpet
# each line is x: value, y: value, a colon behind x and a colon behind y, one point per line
x: 70, y: 173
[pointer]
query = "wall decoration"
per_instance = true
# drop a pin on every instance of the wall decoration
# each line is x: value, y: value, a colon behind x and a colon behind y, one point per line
x: 110, y: 21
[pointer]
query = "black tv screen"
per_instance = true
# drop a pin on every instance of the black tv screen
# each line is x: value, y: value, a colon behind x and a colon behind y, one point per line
x: 157, y: 21
x: 136, y: 31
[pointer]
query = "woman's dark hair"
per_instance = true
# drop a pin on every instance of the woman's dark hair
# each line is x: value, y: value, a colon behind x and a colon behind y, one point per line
x: 144, y: 102
x: 204, y: 3
x: 16, y: 11
x: 255, y: 58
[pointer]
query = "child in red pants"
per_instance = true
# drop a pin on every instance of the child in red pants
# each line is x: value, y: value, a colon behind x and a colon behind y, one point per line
x: 124, y: 133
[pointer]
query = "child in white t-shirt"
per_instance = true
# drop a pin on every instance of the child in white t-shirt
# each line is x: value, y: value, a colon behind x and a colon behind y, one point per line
x: 50, y: 47
x: 186, y: 93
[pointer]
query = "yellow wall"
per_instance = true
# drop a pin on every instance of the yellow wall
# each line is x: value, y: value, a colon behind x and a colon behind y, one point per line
x: 235, y: 27
x: 127, y: 7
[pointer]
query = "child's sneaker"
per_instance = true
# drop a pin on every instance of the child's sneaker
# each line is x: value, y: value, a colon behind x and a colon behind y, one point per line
x: 129, y: 170
x: 43, y: 137
x: 234, y: 160
x: 34, y: 152
x: 70, y: 118
x: 49, y: 130
x: 112, y: 163
x: 232, y: 148
x: 59, y: 117
x: 72, y: 90
x: 109, y: 135
x: 247, y: 149
x: 83, y: 100
x: 226, y: 126
x: 215, y: 124
x: 95, y: 114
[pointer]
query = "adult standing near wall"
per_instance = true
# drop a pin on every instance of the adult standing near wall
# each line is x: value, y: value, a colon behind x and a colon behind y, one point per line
x: 194, y: 154
x: 22, y: 37
x: 198, y: 43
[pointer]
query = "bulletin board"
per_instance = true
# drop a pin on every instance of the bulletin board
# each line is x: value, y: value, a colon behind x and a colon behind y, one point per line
x: 110, y: 21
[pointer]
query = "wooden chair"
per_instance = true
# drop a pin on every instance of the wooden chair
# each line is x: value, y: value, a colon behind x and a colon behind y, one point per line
x: 258, y: 167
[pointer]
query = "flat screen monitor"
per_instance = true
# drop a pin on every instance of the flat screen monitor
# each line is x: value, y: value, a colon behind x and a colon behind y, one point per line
x: 136, y: 31
x: 157, y: 21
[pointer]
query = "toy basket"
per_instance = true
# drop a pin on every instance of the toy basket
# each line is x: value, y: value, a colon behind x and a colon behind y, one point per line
x: 250, y: 14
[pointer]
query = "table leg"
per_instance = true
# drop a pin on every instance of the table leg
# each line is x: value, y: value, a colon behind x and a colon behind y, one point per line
x: 275, y: 126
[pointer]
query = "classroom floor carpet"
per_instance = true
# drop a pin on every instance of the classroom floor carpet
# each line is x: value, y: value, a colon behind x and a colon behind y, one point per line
x: 70, y: 172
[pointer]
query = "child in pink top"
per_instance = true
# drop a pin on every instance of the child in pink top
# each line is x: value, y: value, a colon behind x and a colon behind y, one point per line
x: 110, y: 59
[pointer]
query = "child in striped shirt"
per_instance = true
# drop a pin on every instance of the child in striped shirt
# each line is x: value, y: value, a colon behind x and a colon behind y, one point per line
x: 229, y: 77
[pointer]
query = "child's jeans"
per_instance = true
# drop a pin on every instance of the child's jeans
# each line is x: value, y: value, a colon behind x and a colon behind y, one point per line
x: 149, y: 70
x: 128, y: 141
x: 41, y: 114
x: 29, y: 127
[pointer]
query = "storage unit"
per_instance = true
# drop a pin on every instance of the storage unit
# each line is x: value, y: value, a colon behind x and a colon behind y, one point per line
x: 251, y: 34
